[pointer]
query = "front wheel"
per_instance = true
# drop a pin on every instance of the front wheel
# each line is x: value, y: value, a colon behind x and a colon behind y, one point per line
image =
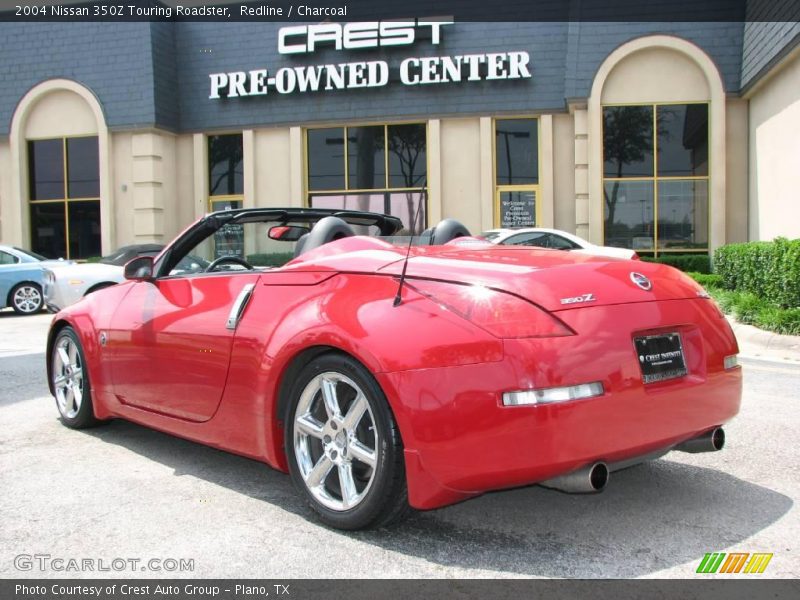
x: 26, y: 299
x: 344, y: 449
x: 70, y: 381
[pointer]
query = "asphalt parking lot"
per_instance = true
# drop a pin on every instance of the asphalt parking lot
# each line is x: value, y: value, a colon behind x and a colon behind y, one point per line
x: 123, y: 491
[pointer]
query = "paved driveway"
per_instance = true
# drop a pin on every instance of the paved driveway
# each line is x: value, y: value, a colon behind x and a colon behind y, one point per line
x: 123, y: 491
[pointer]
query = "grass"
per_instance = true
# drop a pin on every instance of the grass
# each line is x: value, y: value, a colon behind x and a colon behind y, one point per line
x: 749, y: 308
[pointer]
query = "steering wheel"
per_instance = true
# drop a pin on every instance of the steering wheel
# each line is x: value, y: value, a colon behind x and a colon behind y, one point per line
x: 232, y: 259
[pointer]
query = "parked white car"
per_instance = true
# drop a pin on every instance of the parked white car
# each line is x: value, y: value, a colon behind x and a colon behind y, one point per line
x: 552, y: 238
x: 67, y: 285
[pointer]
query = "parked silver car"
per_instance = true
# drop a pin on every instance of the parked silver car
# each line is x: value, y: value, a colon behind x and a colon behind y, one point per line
x: 66, y: 286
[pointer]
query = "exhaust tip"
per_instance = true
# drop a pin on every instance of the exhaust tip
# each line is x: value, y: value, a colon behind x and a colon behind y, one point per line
x: 718, y: 438
x: 598, y: 477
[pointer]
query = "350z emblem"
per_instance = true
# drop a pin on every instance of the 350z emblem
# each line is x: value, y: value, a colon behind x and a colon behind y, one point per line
x: 579, y: 299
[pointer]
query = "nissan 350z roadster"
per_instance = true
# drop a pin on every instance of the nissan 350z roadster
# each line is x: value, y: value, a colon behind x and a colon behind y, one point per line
x: 385, y: 372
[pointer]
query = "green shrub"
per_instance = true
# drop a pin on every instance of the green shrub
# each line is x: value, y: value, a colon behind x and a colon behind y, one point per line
x: 697, y: 263
x: 781, y: 320
x: 709, y: 280
x: 275, y: 259
x: 747, y: 306
x: 770, y: 270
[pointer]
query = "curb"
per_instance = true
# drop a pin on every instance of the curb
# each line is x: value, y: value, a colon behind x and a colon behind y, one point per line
x: 765, y: 345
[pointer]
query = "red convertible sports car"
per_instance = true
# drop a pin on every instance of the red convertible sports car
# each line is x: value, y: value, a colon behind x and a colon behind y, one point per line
x: 312, y: 343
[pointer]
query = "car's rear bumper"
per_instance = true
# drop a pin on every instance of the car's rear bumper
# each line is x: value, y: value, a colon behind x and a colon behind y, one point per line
x: 460, y: 440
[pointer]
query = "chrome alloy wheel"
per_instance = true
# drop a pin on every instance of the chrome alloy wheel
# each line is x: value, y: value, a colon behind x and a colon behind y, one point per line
x: 335, y: 441
x: 68, y: 377
x: 27, y: 299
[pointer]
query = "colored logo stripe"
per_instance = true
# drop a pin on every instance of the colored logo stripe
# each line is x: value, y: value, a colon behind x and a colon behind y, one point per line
x: 735, y: 562
x: 711, y: 562
x: 758, y: 563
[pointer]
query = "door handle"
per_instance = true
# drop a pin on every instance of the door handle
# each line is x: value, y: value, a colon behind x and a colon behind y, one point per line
x: 238, y: 306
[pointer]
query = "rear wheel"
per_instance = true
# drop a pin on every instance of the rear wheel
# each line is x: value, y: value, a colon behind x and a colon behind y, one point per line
x: 70, y: 380
x: 26, y: 298
x: 344, y: 450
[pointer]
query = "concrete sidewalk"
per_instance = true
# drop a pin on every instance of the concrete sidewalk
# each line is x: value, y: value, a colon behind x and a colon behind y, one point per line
x: 757, y: 343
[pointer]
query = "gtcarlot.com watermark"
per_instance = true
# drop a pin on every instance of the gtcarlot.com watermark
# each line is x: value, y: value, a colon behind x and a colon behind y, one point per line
x: 71, y: 564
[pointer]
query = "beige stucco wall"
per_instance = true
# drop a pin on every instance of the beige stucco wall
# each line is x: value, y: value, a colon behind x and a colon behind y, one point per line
x: 774, y: 149
x: 736, y: 170
x: 564, y: 172
x: 60, y: 113
x: 6, y: 207
x: 272, y: 167
x: 123, y: 189
x: 459, y: 163
x: 656, y: 75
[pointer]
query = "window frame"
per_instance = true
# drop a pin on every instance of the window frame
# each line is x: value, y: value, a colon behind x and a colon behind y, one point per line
x: 532, y: 187
x: 656, y: 178
x: 66, y: 200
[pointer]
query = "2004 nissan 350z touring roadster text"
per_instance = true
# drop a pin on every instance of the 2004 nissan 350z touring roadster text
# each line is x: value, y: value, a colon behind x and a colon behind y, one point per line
x: 309, y: 341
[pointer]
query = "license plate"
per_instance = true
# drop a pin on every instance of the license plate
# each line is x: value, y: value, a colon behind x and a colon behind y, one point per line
x: 660, y: 357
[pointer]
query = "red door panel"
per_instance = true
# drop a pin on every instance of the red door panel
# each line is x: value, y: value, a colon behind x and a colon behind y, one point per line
x: 170, y: 344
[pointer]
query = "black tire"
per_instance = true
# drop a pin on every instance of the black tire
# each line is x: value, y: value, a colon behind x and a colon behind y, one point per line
x: 26, y: 298
x: 384, y: 499
x: 75, y: 414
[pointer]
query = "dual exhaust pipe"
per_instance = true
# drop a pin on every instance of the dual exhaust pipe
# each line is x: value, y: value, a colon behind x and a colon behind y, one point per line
x: 594, y: 478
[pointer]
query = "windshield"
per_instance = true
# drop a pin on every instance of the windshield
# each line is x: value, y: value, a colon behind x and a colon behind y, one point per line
x: 29, y: 253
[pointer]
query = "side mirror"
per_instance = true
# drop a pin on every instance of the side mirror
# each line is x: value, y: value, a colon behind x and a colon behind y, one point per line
x: 287, y: 233
x: 139, y: 269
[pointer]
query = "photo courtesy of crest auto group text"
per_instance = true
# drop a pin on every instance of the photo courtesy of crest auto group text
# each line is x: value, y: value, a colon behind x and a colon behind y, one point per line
x: 359, y: 298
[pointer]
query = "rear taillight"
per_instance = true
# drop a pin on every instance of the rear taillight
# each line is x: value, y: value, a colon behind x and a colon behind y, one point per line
x: 501, y: 314
x: 635, y: 256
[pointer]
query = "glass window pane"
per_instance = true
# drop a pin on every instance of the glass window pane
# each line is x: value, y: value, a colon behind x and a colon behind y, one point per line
x: 48, y: 230
x: 683, y: 214
x: 326, y: 159
x: 398, y: 204
x: 366, y: 158
x: 628, y: 141
x: 7, y: 259
x: 518, y: 209
x: 84, y: 229
x: 628, y: 214
x: 409, y: 206
x: 536, y: 238
x: 225, y: 204
x: 83, y: 168
x: 225, y: 170
x: 408, y: 162
x: 517, y: 151
x: 46, y: 169
x: 682, y: 140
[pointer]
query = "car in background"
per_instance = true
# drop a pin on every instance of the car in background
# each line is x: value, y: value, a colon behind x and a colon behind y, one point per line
x: 63, y: 287
x: 21, y: 279
x: 556, y: 239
